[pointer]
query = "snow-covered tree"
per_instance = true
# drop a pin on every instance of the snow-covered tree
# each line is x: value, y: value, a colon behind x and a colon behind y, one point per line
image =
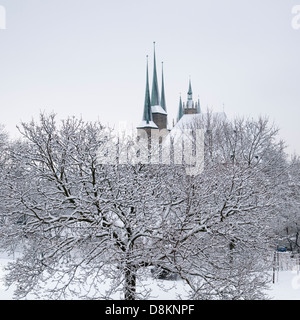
x: 91, y: 229
x: 287, y: 228
x: 3, y: 146
x: 223, y: 244
x: 4, y: 157
x: 83, y: 225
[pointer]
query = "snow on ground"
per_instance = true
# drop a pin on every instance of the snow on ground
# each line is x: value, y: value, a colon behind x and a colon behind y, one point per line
x: 5, y: 294
x: 286, y: 286
x: 170, y: 292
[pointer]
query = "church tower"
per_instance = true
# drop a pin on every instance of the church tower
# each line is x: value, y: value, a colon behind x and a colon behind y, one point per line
x: 147, y: 121
x: 155, y: 114
x: 158, y: 106
x: 191, y: 107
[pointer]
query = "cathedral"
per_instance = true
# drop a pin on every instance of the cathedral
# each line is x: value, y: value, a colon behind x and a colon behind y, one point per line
x: 183, y: 146
x: 155, y: 116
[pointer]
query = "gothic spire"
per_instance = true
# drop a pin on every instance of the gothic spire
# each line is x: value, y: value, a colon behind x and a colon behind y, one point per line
x: 180, y: 110
x: 163, y: 99
x: 198, y: 106
x: 155, y: 92
x: 190, y: 93
x: 147, y: 116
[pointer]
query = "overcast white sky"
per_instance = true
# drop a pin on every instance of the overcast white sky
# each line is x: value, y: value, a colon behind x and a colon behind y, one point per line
x: 87, y: 58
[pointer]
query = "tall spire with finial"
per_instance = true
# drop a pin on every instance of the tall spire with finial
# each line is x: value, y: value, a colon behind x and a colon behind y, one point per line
x: 190, y: 93
x: 163, y: 99
x: 147, y: 115
x: 155, y: 92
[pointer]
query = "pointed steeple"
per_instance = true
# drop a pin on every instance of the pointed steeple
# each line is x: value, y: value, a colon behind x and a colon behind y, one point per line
x: 163, y: 99
x: 190, y: 92
x: 147, y: 115
x: 180, y: 110
x: 198, y: 106
x: 155, y: 92
x: 190, y: 107
x: 147, y: 122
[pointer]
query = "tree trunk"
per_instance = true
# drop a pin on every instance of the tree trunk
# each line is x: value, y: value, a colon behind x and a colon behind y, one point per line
x: 130, y: 282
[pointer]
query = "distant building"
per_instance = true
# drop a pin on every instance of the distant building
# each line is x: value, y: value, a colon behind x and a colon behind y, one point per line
x: 167, y: 145
x: 155, y: 115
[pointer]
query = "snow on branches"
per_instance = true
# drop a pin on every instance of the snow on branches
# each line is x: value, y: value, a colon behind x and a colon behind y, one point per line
x: 82, y: 224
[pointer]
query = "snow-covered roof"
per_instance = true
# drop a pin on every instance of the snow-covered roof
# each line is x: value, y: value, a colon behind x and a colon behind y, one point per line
x: 189, y: 119
x: 158, y: 109
x: 144, y: 124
